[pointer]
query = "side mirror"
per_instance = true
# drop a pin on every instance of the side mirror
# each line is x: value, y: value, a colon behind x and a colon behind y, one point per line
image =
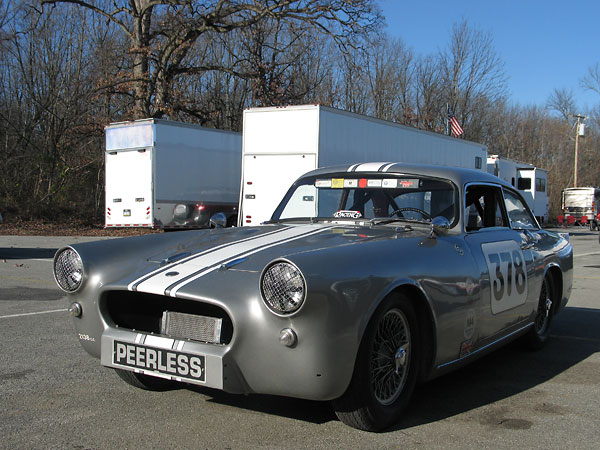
x: 218, y: 220
x: 439, y: 226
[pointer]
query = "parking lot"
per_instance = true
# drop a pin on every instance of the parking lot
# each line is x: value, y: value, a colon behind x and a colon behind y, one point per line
x: 53, y: 395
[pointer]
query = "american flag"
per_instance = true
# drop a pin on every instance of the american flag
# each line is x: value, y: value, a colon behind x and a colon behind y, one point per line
x: 455, y: 127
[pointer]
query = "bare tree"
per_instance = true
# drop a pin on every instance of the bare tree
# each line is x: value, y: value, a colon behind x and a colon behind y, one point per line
x: 591, y: 80
x: 389, y: 73
x: 430, y: 104
x: 562, y: 101
x: 161, y: 34
x: 473, y: 76
x: 46, y: 96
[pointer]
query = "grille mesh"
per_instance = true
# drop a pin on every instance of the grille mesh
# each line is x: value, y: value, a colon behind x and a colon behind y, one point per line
x: 191, y: 326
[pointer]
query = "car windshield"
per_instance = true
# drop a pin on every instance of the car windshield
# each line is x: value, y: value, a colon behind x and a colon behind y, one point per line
x: 348, y: 196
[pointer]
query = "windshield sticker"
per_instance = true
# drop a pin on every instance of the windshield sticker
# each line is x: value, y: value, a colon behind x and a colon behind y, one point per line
x: 374, y: 183
x: 393, y: 183
x: 409, y: 183
x: 350, y: 183
x: 323, y: 183
x: 347, y: 214
x: 337, y: 183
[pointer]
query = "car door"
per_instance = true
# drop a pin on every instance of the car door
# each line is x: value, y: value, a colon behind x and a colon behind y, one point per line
x: 504, y: 257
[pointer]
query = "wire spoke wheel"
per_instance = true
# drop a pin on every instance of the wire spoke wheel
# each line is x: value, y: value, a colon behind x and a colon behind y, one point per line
x: 390, y: 357
x: 387, y: 367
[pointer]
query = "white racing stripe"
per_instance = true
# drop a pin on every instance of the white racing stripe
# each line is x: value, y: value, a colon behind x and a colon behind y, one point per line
x: 371, y: 167
x: 174, y: 290
x: 183, y: 273
x: 133, y: 285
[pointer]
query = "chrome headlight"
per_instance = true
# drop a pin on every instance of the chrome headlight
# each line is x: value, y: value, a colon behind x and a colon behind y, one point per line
x: 68, y: 270
x: 283, y: 288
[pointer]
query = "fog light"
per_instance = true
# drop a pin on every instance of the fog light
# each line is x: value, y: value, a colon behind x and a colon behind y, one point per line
x: 288, y: 337
x: 75, y: 309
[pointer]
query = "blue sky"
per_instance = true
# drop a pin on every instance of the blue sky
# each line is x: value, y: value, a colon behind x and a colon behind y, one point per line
x: 545, y: 44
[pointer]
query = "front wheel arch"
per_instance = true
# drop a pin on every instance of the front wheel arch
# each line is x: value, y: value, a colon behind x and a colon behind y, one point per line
x: 427, y: 328
x: 360, y: 406
x: 425, y: 315
x: 539, y: 334
x: 557, y: 287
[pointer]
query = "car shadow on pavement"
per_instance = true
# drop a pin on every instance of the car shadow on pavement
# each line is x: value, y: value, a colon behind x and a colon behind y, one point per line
x: 504, y: 373
x: 26, y: 253
x: 293, y: 408
x: 508, y: 371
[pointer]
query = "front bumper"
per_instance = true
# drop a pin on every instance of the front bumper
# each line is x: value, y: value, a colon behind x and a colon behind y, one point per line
x: 163, y: 357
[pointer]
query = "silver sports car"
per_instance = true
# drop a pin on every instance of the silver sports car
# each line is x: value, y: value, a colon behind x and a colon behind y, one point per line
x: 367, y: 279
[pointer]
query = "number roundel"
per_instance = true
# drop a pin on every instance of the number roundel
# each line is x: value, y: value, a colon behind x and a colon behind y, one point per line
x: 508, y: 275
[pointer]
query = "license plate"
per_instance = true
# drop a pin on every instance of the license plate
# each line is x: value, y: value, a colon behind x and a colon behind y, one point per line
x: 160, y: 361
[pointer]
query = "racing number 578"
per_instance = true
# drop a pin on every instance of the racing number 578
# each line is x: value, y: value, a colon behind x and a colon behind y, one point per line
x: 509, y: 271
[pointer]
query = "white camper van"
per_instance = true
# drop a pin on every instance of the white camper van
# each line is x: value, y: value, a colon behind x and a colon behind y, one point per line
x: 582, y: 202
x: 531, y: 181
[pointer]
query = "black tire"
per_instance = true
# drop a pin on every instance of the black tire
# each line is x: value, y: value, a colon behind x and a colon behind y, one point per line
x: 539, y: 334
x: 386, y: 367
x: 146, y: 382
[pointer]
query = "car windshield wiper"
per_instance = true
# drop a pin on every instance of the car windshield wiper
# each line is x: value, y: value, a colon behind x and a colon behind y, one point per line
x: 293, y: 219
x: 386, y: 220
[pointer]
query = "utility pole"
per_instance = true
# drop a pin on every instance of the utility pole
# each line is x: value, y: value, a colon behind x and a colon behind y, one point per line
x: 579, y: 118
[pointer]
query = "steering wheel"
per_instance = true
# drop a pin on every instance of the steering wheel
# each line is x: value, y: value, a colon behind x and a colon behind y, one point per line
x: 399, y: 212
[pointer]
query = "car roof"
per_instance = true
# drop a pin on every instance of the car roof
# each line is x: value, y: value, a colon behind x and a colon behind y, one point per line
x: 458, y: 175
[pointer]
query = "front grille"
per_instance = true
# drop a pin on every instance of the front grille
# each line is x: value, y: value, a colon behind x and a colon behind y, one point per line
x: 191, y: 326
x: 173, y: 317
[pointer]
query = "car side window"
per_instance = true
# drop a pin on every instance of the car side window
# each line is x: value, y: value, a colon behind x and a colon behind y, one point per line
x: 483, y: 208
x: 518, y: 214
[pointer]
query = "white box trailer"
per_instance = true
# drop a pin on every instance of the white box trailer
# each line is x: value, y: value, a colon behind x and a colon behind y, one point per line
x: 165, y: 174
x: 531, y: 181
x: 281, y: 143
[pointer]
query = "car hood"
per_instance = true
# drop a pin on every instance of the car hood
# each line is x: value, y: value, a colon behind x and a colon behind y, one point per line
x: 250, y: 250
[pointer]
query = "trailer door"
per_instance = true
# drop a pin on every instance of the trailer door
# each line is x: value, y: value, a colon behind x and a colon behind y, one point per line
x: 266, y: 180
x: 129, y: 197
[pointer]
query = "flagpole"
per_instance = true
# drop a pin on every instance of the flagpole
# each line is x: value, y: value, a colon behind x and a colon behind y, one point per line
x: 447, y: 120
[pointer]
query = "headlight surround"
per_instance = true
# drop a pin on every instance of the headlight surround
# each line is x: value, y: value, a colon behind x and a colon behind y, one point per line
x: 68, y: 270
x: 283, y: 288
